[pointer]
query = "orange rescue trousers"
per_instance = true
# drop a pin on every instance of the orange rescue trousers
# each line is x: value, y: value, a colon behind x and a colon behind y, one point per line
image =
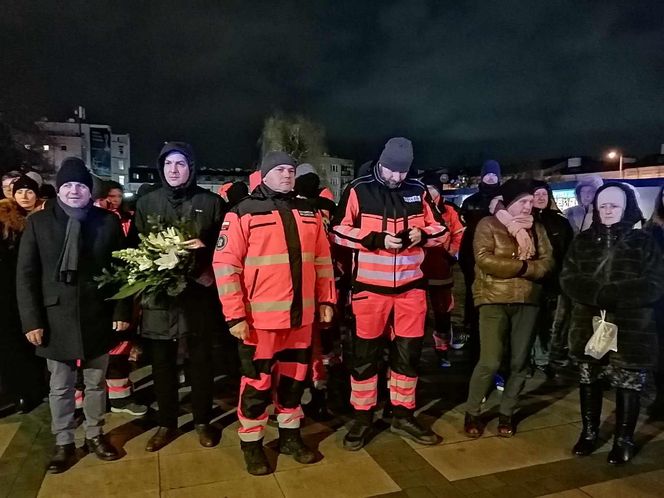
x: 274, y: 366
x: 372, y: 312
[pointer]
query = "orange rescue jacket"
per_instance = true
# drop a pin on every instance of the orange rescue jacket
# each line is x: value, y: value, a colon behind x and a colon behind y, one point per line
x: 272, y: 262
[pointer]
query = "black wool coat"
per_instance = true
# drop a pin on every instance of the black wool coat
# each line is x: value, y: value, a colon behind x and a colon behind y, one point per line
x: 197, y: 310
x: 620, y: 270
x: 77, y: 318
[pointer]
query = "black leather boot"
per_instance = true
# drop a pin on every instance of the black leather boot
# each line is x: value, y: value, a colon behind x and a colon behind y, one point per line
x: 359, y: 432
x: 409, y: 427
x: 290, y: 443
x: 102, y: 448
x: 590, y: 396
x: 208, y: 435
x: 317, y: 407
x: 255, y: 458
x: 627, y: 414
x: 64, y: 457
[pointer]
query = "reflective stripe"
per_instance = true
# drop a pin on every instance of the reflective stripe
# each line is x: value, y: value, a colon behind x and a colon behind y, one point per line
x: 388, y: 276
x: 355, y: 401
x: 363, y: 387
x: 394, y: 396
x: 250, y: 437
x: 267, y: 306
x: 390, y: 260
x: 405, y: 384
x: 323, y: 261
x: 290, y: 420
x: 271, y: 306
x: 325, y: 273
x: 307, y: 257
x: 228, y: 288
x: 249, y: 423
x: 272, y: 259
x: 223, y: 271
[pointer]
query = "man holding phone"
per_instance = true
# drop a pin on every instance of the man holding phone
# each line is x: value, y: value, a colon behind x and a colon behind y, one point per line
x: 385, y: 218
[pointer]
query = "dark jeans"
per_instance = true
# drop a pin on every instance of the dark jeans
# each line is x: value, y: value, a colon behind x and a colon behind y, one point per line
x: 471, y: 314
x: 164, y: 355
x: 502, y: 326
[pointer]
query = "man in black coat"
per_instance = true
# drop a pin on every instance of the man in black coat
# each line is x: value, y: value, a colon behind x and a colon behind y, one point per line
x: 195, y: 314
x: 63, y: 313
x: 473, y: 209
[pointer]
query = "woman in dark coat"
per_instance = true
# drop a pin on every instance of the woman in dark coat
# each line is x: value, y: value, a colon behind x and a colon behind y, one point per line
x: 550, y: 338
x: 22, y: 371
x: 655, y: 226
x: 618, y: 269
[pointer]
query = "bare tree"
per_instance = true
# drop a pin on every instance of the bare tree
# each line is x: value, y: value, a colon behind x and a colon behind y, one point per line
x: 300, y: 137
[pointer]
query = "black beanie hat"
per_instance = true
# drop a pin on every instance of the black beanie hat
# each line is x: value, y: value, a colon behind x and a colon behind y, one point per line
x: 73, y: 169
x: 490, y: 166
x: 397, y: 155
x: 273, y: 159
x: 514, y: 189
x: 25, y: 181
x: 237, y: 192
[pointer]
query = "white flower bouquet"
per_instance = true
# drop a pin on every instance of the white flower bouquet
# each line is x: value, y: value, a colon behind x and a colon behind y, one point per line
x: 158, y: 267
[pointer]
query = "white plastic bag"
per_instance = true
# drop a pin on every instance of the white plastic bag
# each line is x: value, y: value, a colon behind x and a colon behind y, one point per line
x: 604, y: 338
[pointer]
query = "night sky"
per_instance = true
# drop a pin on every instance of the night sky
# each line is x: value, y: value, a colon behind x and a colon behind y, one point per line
x: 514, y: 80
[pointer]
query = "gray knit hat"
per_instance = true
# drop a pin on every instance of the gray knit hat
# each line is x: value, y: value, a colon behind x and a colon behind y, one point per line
x: 397, y: 154
x: 274, y: 159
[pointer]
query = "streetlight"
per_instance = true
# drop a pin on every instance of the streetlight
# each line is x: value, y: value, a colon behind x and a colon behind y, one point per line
x: 612, y: 156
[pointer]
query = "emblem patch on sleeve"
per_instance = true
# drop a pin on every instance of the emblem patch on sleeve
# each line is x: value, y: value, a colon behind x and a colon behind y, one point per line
x: 221, y: 242
x: 412, y: 198
x: 225, y: 225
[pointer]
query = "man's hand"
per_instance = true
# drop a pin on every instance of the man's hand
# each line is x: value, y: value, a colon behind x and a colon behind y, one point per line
x: 240, y: 330
x: 415, y: 236
x: 392, y: 242
x: 120, y: 326
x: 193, y: 244
x: 35, y: 337
x: 325, y: 312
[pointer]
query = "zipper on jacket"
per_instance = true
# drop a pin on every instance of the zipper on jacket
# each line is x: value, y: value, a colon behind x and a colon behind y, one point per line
x: 253, y: 285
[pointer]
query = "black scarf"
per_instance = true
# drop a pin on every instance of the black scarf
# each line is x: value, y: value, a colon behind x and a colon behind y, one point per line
x: 68, y: 260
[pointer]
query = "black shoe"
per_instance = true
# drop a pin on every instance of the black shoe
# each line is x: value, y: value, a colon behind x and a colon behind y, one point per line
x: 627, y: 414
x: 290, y: 443
x: 208, y: 435
x: 317, y: 407
x: 591, y: 409
x: 161, y: 438
x: 255, y: 458
x: 358, y: 435
x: 410, y: 428
x: 64, y: 457
x: 102, y: 448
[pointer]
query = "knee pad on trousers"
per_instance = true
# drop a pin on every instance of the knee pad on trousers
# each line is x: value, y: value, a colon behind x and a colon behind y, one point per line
x: 254, y: 402
x: 405, y: 355
x: 289, y: 392
x: 366, y: 354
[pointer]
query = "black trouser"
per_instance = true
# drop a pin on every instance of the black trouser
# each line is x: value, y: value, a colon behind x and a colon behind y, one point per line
x: 471, y: 317
x: 164, y: 355
x: 23, y: 373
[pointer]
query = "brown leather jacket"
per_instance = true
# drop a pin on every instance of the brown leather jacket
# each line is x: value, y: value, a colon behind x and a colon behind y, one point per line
x: 501, y: 278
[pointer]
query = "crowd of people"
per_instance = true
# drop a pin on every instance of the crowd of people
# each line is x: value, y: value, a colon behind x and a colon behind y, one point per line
x: 280, y: 267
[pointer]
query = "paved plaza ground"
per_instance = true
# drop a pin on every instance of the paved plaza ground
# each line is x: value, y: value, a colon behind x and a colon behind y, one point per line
x: 536, y: 462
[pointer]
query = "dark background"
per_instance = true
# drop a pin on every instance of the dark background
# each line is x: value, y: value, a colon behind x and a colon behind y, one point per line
x: 465, y: 80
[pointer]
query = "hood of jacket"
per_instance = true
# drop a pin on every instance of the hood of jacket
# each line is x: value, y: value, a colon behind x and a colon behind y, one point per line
x: 12, y: 219
x: 187, y: 151
x: 632, y: 214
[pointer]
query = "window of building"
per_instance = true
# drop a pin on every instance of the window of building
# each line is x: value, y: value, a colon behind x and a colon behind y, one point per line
x: 135, y: 176
x: 121, y: 179
x: 121, y: 165
x: 63, y: 147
